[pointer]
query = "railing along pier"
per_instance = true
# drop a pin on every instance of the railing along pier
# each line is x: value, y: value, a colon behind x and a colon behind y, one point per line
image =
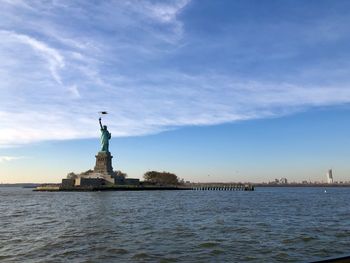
x: 223, y: 187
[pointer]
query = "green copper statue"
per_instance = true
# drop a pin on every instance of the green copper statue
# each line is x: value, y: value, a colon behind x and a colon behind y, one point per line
x: 105, y: 136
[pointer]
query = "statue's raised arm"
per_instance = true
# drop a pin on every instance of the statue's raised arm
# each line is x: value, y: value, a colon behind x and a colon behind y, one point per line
x: 99, y: 120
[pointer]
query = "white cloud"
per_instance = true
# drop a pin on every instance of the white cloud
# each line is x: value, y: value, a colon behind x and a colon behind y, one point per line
x: 54, y: 59
x: 164, y: 12
x: 74, y: 91
x: 9, y: 158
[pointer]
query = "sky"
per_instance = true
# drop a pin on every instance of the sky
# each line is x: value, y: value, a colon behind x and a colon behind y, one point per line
x: 210, y: 90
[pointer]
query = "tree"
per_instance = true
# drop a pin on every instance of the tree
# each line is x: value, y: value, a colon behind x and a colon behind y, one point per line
x: 120, y: 173
x: 72, y: 176
x: 87, y: 172
x: 161, y: 178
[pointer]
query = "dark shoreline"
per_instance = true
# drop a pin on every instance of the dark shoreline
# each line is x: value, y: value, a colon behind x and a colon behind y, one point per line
x: 89, y: 188
x: 114, y: 188
x: 34, y: 185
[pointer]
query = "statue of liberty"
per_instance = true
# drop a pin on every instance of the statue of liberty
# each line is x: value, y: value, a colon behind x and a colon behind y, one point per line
x: 105, y: 137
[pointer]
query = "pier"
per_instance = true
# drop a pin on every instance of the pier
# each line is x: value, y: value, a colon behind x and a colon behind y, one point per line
x: 222, y: 187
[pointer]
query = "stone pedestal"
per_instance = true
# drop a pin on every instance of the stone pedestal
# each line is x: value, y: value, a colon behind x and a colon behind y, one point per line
x: 102, y: 174
x: 104, y: 163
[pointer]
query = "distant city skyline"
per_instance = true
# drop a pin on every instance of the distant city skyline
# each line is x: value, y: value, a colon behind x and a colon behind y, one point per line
x: 208, y: 90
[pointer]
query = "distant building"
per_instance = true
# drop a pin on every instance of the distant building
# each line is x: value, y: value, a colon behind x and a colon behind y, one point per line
x: 330, y: 176
x: 280, y: 181
x: 283, y: 181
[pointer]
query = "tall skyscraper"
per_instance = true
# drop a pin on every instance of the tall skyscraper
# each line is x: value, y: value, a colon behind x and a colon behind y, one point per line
x: 330, y: 176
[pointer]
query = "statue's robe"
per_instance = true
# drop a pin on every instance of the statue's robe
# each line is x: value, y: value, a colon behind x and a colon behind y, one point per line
x: 105, y: 136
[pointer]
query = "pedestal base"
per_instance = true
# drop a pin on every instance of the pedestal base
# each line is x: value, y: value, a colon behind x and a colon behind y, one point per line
x: 102, y: 170
x: 93, y: 178
x: 104, y: 163
x: 102, y: 174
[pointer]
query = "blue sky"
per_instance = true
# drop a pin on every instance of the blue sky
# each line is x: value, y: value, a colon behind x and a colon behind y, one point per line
x: 210, y: 90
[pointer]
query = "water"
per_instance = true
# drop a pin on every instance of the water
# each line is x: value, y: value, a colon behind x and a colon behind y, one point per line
x: 267, y: 225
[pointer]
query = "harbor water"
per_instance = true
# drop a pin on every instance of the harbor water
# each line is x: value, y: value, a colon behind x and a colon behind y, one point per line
x: 267, y: 225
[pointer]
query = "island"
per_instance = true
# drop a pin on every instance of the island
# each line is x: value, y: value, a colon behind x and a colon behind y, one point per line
x: 104, y: 178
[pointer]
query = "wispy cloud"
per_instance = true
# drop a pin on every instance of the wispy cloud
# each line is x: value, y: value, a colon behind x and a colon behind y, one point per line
x: 136, y: 60
x: 54, y: 59
x: 9, y: 158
